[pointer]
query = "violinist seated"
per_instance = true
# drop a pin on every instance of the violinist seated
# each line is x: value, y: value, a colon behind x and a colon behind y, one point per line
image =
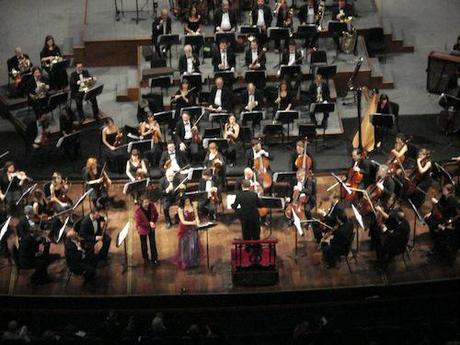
x: 211, y: 184
x: 291, y: 56
x: 161, y: 26
x: 136, y: 169
x: 253, y: 99
x: 11, y: 182
x: 19, y: 68
x: 303, y: 190
x: 189, y: 63
x: 337, y: 242
x: 223, y: 57
x: 248, y: 174
x: 395, y: 237
x: 99, y: 181
x: 419, y: 180
x: 215, y: 161
x: 37, y: 89
x: 384, y: 106
x: 380, y: 190
x: 172, y: 159
x: 329, y: 216
x: 398, y: 155
x: 220, y: 97
x: 443, y: 211
x: 319, y: 93
x: 231, y: 133
x: 93, y: 230
x: 59, y: 189
x: 255, y: 57
x: 188, y: 138
x: 358, y: 174
x: 80, y: 82
x: 447, y: 240
x: 31, y: 224
x: 256, y: 152
x: 79, y: 261
x: 150, y: 129
x: 297, y: 158
x: 112, y: 139
x: 169, y: 194
x: 184, y: 97
x: 225, y: 18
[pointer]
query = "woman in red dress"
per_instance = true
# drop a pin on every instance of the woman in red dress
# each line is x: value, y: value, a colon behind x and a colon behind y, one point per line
x: 189, y: 243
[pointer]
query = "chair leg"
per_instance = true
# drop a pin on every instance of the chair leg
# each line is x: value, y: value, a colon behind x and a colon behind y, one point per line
x: 69, y: 275
x: 348, y: 264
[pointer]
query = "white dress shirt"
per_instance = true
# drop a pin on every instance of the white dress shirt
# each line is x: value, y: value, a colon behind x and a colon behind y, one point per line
x: 190, y: 68
x: 218, y: 98
x: 254, y: 55
x: 188, y: 130
x: 225, y: 22
x: 260, y: 18
x: 174, y: 165
x: 311, y: 15
x: 223, y: 58
x: 291, y: 58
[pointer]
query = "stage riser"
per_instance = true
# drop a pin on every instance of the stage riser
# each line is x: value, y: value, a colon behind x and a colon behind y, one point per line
x: 112, y: 53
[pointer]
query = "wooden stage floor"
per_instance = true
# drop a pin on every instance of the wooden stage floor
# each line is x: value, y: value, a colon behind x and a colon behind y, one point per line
x: 306, y: 272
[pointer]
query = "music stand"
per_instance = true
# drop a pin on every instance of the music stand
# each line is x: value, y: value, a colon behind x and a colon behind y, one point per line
x: 194, y: 40
x: 219, y: 117
x: 272, y: 129
x: 121, y: 239
x: 383, y: 121
x: 336, y: 28
x: 194, y: 112
x: 227, y: 76
x: 321, y: 108
x: 94, y: 92
x: 285, y: 176
x: 57, y: 100
x: 253, y: 116
x: 227, y: 36
x: 250, y: 30
x: 161, y: 82
x: 196, y: 174
x: 168, y: 40
x: 136, y: 186
x: 221, y: 143
x: 258, y: 78
x: 275, y: 33
x: 194, y: 80
x: 418, y: 216
x: 289, y: 71
x: 140, y: 145
x: 206, y: 227
x: 309, y: 131
x: 211, y: 133
x: 287, y: 117
x: 327, y: 72
x: 272, y: 203
x: 306, y: 31
x: 64, y: 64
x: 164, y: 118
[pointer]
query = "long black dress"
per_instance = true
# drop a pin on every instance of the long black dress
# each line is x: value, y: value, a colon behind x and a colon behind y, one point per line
x: 58, y: 76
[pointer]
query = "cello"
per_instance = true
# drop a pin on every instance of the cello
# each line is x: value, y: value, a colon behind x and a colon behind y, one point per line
x: 298, y: 202
x: 353, y: 180
x: 261, y: 166
x: 304, y: 161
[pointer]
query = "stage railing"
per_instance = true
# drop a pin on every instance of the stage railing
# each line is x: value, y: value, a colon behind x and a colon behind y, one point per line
x: 255, y: 250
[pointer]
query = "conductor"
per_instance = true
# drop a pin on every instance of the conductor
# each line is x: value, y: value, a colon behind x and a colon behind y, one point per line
x: 246, y: 206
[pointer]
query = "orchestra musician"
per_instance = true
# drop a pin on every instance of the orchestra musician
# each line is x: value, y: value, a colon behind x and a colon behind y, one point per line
x: 150, y: 129
x: 221, y: 97
x: 225, y: 18
x: 299, y: 151
x: 341, y: 13
x: 95, y: 177
x: 80, y: 81
x: 71, y: 144
x: 135, y: 167
x: 19, y: 69
x: 246, y: 205
x: 111, y: 140
x: 335, y: 243
x: 161, y: 26
x: 361, y: 165
x: 168, y: 185
x: 308, y: 12
x: 172, y: 159
x: 93, y: 229
x: 305, y: 186
x: 397, y: 155
x: 319, y: 93
x: 443, y: 210
x: 185, y: 138
x: 39, y: 204
x: 215, y: 161
x: 188, y: 238
x: 37, y: 88
x: 384, y: 106
x: 253, y: 99
x: 419, y: 180
x: 59, y: 189
x: 223, y: 57
x: 11, y: 185
x: 146, y: 217
x: 291, y: 56
x: 184, y: 97
x: 256, y: 151
x: 248, y: 174
x: 231, y: 133
x: 79, y: 261
x: 285, y: 99
x: 212, y: 185
x: 262, y: 17
x: 188, y: 62
x: 255, y: 57
x: 50, y: 54
x: 193, y: 22
x: 283, y: 20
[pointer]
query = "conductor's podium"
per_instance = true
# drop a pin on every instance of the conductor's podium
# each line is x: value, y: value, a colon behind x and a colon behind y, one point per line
x: 254, y: 263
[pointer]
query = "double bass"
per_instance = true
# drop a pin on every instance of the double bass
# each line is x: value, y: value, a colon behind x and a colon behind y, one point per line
x: 298, y: 202
x: 261, y: 166
x: 304, y: 161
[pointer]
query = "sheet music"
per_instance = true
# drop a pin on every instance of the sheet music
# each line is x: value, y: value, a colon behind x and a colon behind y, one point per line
x: 62, y: 229
x: 231, y: 200
x: 297, y: 223
x: 4, y: 228
x: 358, y: 216
x: 122, y: 234
x: 88, y: 192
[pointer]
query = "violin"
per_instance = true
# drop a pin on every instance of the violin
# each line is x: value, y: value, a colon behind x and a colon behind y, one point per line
x: 118, y: 138
x: 394, y: 163
x: 196, y: 138
x: 304, y: 161
x: 353, y: 180
x: 261, y: 165
x: 374, y: 193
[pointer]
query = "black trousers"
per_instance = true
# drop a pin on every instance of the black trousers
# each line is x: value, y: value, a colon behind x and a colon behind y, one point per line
x: 167, y: 203
x: 106, y: 240
x: 250, y: 228
x: 152, y: 243
x: 78, y: 97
